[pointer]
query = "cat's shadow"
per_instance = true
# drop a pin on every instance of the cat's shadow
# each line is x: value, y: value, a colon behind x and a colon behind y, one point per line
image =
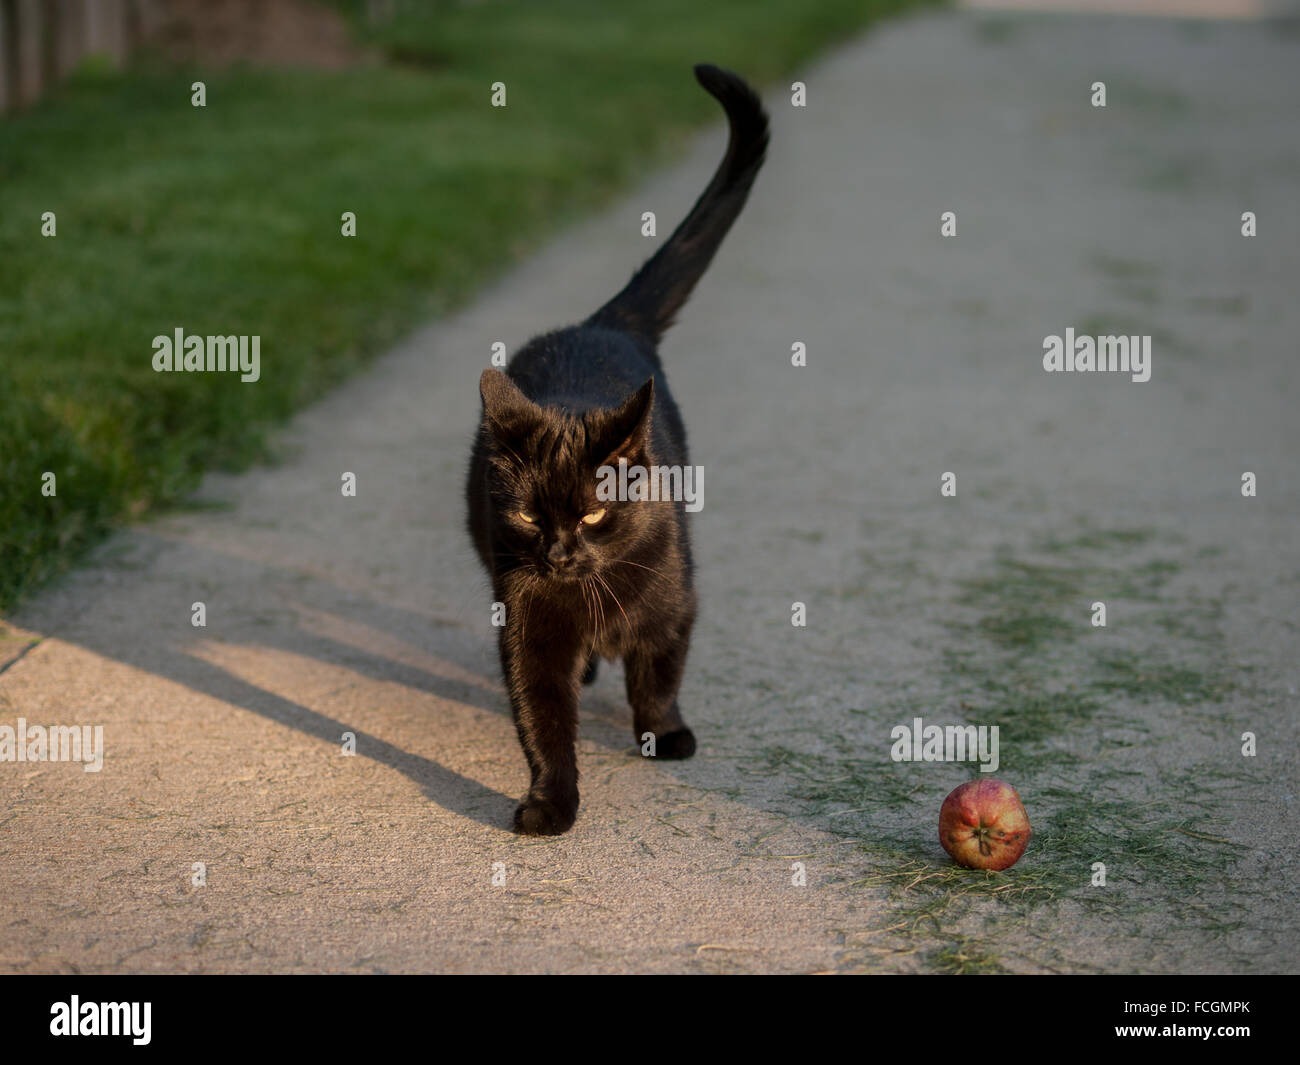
x: 293, y: 604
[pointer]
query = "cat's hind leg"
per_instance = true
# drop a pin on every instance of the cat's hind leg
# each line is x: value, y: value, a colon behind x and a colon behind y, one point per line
x: 653, y: 677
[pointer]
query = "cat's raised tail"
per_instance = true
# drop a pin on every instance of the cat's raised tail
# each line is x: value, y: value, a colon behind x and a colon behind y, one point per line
x: 649, y: 302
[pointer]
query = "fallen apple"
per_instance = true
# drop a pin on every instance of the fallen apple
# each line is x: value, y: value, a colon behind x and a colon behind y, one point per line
x: 983, y: 825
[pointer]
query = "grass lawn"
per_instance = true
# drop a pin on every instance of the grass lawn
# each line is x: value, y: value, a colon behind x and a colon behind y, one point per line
x: 226, y: 220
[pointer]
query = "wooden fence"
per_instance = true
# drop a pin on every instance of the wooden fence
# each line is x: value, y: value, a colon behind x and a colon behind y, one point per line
x: 42, y: 40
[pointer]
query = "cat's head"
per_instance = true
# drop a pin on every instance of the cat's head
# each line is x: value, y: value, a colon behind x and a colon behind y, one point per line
x: 543, y: 475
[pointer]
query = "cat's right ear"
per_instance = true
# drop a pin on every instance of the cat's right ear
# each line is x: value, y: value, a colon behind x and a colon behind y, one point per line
x: 506, y: 410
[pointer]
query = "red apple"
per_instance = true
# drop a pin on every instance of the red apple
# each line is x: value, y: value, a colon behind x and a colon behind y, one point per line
x: 983, y: 825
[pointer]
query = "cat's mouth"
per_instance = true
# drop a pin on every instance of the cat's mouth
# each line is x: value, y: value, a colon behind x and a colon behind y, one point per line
x: 573, y: 574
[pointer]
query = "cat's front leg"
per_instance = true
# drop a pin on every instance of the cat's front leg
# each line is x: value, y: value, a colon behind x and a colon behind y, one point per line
x: 541, y: 666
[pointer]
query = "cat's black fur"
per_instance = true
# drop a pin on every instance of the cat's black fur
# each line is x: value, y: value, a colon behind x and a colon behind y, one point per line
x: 569, y: 402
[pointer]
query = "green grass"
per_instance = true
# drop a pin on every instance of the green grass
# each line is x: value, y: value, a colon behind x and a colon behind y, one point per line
x: 1132, y: 323
x: 966, y: 957
x: 1156, y: 832
x: 1030, y: 660
x: 1121, y: 269
x: 1027, y: 631
x: 1084, y: 722
x: 996, y: 30
x: 226, y: 220
x: 1139, y: 678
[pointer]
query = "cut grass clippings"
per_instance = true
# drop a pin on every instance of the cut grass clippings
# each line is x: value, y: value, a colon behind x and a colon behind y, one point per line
x: 1027, y: 659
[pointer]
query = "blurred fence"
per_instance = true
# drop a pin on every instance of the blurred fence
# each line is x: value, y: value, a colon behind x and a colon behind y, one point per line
x: 42, y: 40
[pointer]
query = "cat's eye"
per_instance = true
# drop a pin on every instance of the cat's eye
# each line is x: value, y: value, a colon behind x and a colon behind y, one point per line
x: 528, y: 517
x: 593, y: 517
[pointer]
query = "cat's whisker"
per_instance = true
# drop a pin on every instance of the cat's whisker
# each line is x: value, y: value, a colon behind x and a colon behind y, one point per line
x: 586, y: 602
x: 611, y: 592
x: 625, y: 562
x: 599, y: 609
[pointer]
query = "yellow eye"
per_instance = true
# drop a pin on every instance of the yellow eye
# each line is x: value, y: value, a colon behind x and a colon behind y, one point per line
x: 593, y: 517
x: 525, y: 516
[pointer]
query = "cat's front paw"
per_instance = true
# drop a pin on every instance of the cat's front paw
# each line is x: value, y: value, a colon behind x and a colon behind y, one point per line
x: 540, y: 815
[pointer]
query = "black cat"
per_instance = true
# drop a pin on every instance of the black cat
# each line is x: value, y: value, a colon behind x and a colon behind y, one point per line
x: 583, y: 577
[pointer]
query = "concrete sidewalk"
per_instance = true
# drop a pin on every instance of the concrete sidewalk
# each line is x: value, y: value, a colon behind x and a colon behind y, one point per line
x: 328, y: 615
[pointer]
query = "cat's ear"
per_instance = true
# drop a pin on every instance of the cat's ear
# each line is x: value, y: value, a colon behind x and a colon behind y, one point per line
x: 506, y: 410
x: 627, y: 428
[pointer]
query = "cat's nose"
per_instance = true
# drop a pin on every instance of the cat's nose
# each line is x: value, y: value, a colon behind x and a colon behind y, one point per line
x: 559, y: 556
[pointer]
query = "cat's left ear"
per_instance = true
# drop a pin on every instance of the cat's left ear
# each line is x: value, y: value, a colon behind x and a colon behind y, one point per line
x: 628, y: 429
x: 506, y: 409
